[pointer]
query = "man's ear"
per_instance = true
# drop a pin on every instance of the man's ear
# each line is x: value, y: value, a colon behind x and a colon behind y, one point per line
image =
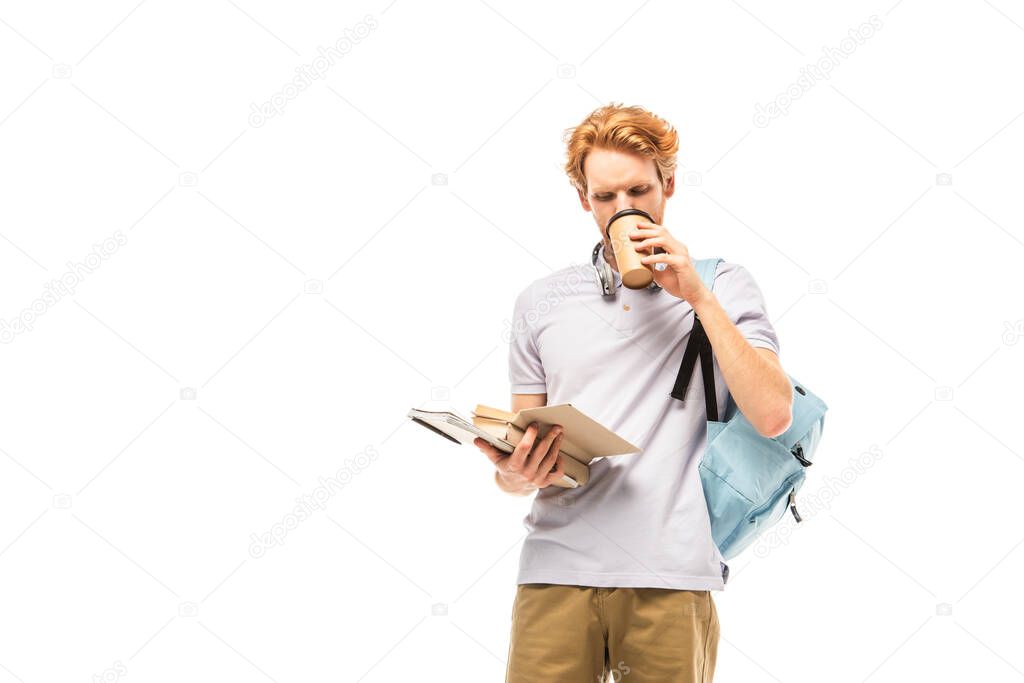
x: 583, y: 200
x: 670, y: 186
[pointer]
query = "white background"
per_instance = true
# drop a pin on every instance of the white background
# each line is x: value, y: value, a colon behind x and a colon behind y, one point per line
x: 129, y: 507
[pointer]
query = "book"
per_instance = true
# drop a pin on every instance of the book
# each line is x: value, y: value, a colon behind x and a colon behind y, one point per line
x: 583, y: 439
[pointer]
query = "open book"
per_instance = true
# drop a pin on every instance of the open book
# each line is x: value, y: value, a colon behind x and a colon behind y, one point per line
x: 583, y: 439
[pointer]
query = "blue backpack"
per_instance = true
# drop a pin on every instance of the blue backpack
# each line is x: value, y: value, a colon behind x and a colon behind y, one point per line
x: 749, y: 480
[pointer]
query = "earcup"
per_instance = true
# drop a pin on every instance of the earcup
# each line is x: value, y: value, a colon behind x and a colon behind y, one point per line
x: 605, y: 274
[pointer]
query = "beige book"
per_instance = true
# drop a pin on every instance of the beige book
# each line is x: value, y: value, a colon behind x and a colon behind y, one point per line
x: 584, y: 438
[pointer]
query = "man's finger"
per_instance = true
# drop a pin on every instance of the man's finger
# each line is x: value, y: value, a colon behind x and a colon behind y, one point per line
x: 551, y: 459
x: 540, y: 451
x: 556, y: 474
x: 523, y: 448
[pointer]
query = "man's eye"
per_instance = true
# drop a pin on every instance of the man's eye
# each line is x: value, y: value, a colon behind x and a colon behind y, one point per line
x: 640, y: 190
x: 602, y: 198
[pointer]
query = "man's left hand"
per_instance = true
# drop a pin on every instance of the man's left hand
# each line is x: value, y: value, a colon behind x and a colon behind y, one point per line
x: 679, y: 278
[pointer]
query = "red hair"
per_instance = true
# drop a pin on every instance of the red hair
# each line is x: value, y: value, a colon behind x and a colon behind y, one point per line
x: 625, y: 129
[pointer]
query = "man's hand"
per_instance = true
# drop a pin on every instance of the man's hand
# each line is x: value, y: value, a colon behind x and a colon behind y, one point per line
x: 680, y: 278
x: 529, y: 466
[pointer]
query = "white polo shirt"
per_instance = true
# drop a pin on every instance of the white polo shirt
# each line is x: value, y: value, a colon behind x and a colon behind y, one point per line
x: 641, y: 520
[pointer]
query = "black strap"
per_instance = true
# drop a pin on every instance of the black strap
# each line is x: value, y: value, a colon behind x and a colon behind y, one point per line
x: 698, y: 346
x: 686, y: 367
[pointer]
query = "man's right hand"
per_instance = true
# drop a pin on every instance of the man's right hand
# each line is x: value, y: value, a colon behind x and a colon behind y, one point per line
x: 532, y: 465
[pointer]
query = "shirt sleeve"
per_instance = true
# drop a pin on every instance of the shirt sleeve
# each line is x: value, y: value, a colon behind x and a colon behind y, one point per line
x: 742, y: 300
x: 525, y: 370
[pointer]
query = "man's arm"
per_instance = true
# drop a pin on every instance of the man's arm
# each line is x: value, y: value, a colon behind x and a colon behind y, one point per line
x: 526, y: 401
x: 754, y: 375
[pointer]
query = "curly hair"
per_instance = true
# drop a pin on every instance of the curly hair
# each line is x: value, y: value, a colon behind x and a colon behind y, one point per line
x: 627, y: 129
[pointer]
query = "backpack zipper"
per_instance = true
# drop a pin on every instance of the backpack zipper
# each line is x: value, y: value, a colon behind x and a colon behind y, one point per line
x: 792, y: 506
x: 798, y: 453
x: 788, y: 481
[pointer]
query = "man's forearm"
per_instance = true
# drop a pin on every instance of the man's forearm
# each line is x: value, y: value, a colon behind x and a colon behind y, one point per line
x: 762, y: 391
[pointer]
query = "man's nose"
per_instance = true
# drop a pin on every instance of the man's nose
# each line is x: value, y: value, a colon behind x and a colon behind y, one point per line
x: 623, y: 203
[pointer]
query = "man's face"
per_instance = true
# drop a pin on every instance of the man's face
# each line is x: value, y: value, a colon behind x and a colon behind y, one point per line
x: 622, y: 180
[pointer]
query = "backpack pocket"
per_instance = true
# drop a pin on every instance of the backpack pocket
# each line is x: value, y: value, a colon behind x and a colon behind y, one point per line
x: 747, y: 483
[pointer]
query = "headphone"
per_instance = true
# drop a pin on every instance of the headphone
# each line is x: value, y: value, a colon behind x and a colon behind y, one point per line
x: 605, y: 275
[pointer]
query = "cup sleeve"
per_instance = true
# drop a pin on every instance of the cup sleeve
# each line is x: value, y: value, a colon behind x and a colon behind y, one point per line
x: 741, y: 298
x: 525, y: 369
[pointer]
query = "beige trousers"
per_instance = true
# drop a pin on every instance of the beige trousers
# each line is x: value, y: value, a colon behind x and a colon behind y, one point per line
x: 584, y: 634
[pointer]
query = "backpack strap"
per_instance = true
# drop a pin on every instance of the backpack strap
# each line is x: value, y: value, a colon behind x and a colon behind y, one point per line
x: 700, y: 346
x: 706, y: 268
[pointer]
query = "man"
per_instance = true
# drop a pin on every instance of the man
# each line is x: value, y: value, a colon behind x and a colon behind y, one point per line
x: 615, y: 577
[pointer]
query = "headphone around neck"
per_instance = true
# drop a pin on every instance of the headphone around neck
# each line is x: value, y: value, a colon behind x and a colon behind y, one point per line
x: 605, y: 274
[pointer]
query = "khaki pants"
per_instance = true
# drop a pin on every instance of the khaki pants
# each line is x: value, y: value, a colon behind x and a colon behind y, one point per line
x: 570, y: 634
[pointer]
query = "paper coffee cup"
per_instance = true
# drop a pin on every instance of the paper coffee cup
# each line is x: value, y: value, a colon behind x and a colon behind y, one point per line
x: 634, y: 274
